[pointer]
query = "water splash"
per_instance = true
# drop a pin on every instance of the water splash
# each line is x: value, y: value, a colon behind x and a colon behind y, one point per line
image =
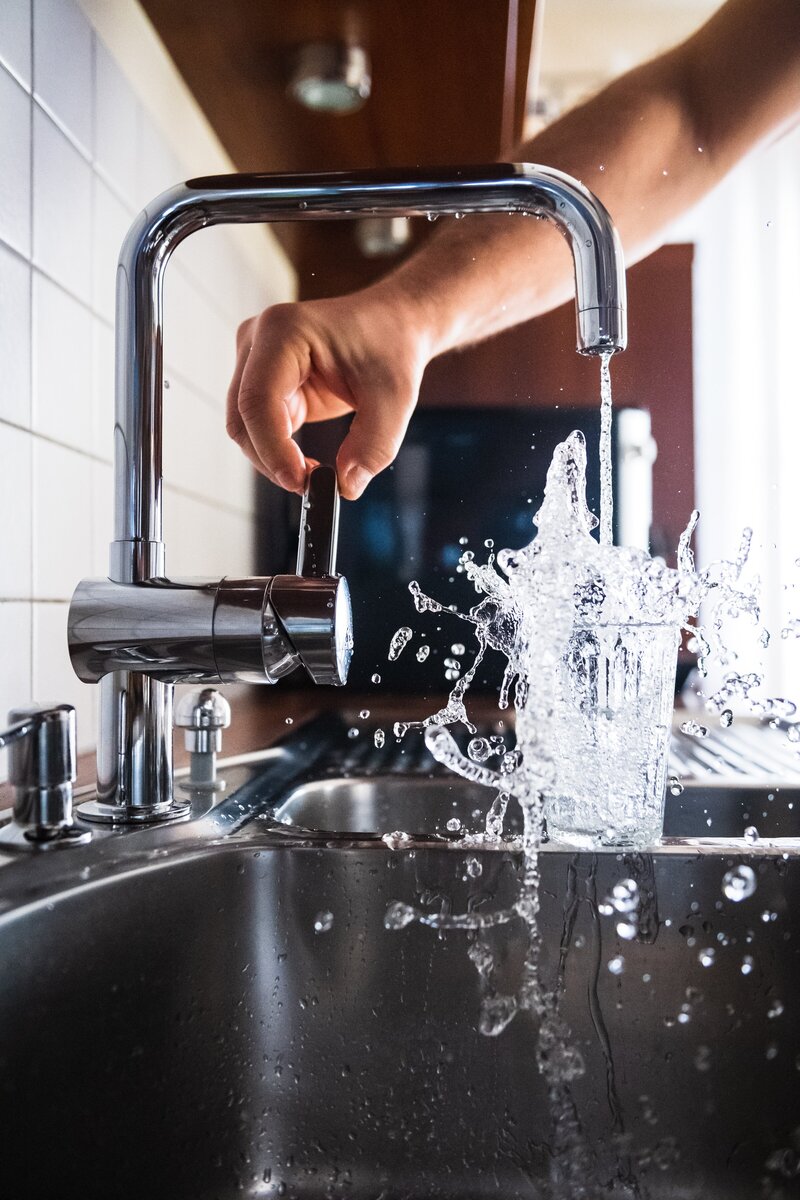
x: 399, y: 641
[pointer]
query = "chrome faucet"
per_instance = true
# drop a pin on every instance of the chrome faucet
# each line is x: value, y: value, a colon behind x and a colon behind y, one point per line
x: 138, y: 632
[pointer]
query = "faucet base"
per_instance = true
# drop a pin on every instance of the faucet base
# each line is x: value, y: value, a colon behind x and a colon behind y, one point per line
x: 14, y: 836
x: 119, y: 814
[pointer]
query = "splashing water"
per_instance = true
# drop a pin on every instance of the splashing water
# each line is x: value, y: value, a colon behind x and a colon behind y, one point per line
x: 589, y: 633
x: 399, y: 641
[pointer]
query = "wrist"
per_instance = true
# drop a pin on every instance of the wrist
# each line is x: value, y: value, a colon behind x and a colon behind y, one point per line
x: 417, y: 307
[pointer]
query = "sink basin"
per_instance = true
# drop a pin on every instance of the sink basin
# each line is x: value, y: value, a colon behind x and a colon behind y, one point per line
x: 217, y: 1010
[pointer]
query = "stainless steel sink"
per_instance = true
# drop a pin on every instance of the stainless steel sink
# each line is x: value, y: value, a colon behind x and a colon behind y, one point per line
x: 216, y: 1009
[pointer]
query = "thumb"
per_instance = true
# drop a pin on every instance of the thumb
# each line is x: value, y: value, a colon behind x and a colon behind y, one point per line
x: 373, y: 441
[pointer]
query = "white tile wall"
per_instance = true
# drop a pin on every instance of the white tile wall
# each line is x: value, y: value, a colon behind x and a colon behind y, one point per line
x: 15, y: 332
x: 62, y: 208
x: 15, y: 155
x: 82, y: 152
x: 15, y: 504
x: 16, y: 676
x: 63, y: 67
x: 62, y: 355
x: 15, y: 39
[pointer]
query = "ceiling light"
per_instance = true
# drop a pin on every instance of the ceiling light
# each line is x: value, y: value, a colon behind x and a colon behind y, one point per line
x: 331, y: 77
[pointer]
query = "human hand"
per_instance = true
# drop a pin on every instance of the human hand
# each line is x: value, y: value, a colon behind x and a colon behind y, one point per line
x: 319, y: 359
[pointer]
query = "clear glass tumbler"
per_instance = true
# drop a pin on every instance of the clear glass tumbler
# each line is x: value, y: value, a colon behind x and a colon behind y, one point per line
x: 609, y: 737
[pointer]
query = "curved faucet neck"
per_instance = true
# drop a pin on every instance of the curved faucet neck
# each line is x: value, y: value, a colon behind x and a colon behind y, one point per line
x: 138, y: 551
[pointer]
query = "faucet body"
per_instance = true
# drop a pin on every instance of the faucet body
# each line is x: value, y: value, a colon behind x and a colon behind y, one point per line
x: 135, y: 743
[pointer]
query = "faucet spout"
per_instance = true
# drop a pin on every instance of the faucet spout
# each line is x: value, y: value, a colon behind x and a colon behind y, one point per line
x: 247, y: 199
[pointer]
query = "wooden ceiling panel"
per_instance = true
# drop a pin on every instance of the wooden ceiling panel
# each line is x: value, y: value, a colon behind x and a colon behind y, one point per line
x: 449, y: 79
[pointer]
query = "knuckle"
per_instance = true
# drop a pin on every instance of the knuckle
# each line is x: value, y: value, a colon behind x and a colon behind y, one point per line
x: 377, y: 456
x: 244, y: 332
x: 235, y: 429
x: 250, y: 402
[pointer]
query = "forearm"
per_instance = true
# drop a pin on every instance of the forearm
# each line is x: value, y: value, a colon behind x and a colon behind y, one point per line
x: 650, y: 146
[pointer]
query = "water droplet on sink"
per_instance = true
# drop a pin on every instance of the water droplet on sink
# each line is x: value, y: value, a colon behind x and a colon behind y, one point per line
x: 423, y: 653
x: 398, y: 915
x: 707, y: 957
x: 739, y: 883
x: 747, y: 965
x: 616, y: 965
x: 364, y: 714
x: 457, y: 649
x: 726, y: 718
x: 625, y: 896
x: 751, y: 834
x: 289, y: 721
x: 474, y: 868
x: 323, y: 921
x: 379, y: 737
x: 353, y: 732
x: 396, y: 840
x: 675, y: 786
x: 376, y: 678
x: 454, y: 825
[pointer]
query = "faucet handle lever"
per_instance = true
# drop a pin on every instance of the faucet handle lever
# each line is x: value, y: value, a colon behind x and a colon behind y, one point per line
x: 319, y: 524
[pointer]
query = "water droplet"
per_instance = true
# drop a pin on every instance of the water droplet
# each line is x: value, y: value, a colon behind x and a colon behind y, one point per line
x: 627, y: 930
x: 399, y: 641
x: 479, y: 749
x: 751, y: 835
x: 289, y: 721
x: 379, y: 737
x: 423, y: 653
x: 739, y: 882
x: 675, y: 785
x: 707, y: 957
x: 625, y: 896
x: 726, y: 718
x: 396, y: 840
x: 454, y: 825
x: 457, y: 649
x: 376, y: 678
x: 364, y: 714
x: 693, y: 729
x: 474, y: 868
x: 702, y: 1058
x: 616, y: 965
x: 353, y: 732
x: 747, y: 965
x: 398, y: 915
x: 323, y: 921
x: 775, y: 1010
